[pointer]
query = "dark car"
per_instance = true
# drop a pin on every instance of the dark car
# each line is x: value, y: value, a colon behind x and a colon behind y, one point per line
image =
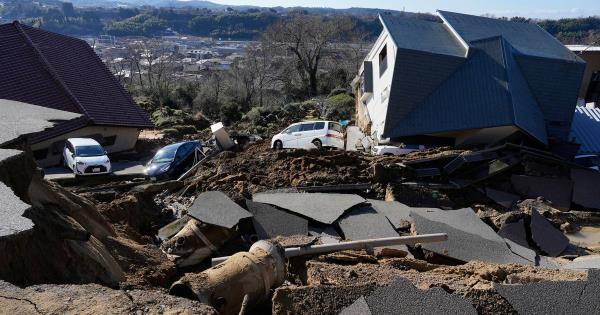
x: 173, y: 160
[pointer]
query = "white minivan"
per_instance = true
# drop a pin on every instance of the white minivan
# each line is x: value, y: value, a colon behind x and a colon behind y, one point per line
x: 85, y: 156
x: 310, y: 134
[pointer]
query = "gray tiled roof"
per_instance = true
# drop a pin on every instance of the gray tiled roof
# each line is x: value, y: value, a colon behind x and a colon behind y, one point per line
x: 414, y: 34
x: 527, y: 38
x: 496, y: 84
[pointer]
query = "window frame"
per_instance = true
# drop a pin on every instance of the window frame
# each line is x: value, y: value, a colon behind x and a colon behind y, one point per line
x: 383, y: 60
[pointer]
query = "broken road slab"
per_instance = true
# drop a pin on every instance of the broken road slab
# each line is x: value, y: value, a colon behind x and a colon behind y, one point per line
x: 468, y: 237
x: 270, y: 222
x: 365, y: 223
x: 321, y: 207
x: 214, y: 207
x: 586, y: 188
x: 557, y: 190
x: 548, y: 238
x: 584, y: 262
x: 554, y: 297
x: 398, y: 213
x: 402, y: 297
x: 515, y: 232
x: 359, y: 307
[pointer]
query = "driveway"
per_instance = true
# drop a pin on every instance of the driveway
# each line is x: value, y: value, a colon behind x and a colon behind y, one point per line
x: 120, y: 168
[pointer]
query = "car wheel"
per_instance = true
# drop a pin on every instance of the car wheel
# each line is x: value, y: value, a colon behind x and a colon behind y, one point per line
x: 318, y: 144
x: 278, y: 145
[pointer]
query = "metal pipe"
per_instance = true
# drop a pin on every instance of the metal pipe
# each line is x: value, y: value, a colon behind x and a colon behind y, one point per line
x: 361, y: 244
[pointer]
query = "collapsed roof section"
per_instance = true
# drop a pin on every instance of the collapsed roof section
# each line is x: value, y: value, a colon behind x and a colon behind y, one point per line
x: 476, y: 73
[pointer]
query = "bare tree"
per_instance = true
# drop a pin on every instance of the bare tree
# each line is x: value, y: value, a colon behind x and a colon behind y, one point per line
x: 307, y: 37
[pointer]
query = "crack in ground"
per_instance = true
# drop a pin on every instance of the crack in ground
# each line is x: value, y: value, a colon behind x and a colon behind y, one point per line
x: 22, y: 299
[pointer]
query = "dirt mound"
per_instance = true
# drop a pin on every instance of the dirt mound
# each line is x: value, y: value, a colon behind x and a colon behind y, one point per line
x: 331, y: 286
x: 93, y: 299
x: 259, y: 168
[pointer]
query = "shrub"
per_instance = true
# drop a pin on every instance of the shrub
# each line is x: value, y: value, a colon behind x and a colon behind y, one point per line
x: 337, y: 91
x: 185, y: 129
x: 170, y: 132
x: 339, y: 107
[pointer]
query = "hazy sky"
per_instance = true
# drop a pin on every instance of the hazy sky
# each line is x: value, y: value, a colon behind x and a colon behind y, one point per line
x: 528, y: 8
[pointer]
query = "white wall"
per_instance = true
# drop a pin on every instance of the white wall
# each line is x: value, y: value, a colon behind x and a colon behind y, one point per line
x: 377, y: 102
x: 126, y: 139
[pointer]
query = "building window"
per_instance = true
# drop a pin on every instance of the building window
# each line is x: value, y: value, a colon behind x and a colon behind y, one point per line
x: 383, y: 60
x: 40, y: 154
x: 108, y: 141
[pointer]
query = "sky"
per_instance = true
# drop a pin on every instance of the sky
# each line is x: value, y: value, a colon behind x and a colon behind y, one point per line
x: 528, y: 8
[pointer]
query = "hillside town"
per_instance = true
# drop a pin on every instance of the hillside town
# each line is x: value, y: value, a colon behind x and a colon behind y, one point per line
x: 449, y: 163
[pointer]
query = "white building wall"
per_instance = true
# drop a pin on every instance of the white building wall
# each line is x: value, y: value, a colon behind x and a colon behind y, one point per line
x: 377, y: 102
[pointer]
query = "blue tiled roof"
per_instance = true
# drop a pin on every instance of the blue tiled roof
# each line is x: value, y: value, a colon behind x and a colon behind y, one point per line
x: 585, y: 129
x: 497, y: 84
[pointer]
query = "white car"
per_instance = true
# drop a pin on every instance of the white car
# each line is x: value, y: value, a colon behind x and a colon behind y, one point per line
x: 310, y: 134
x: 85, y: 156
x: 395, y: 150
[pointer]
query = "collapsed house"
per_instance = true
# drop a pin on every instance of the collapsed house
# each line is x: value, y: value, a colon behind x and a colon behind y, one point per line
x: 64, y: 73
x: 467, y: 80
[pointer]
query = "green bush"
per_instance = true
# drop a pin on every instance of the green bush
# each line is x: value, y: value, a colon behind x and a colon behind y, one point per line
x: 171, y: 132
x: 339, y: 107
x: 337, y: 91
x: 185, y: 129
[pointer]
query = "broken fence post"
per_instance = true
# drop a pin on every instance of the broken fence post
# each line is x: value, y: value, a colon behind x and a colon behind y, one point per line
x: 361, y: 244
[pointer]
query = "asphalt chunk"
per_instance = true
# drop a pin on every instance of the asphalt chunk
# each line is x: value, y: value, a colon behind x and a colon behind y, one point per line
x: 321, y: 207
x: 365, y: 223
x: 549, y: 239
x: 402, y: 297
x: 468, y: 237
x: 214, y: 207
x: 269, y: 221
x: 398, y: 213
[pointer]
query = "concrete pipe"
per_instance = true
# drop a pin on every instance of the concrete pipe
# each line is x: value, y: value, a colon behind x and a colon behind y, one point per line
x: 225, y: 285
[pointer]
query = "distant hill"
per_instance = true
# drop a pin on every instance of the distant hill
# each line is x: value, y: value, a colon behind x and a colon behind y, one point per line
x: 202, y: 4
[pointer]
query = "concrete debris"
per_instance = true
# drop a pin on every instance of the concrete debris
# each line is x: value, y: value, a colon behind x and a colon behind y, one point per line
x: 547, y: 237
x: 169, y: 230
x: 557, y: 190
x: 215, y: 208
x: 554, y: 297
x: 365, y: 223
x: 270, y: 222
x: 396, y: 212
x: 402, y: 297
x: 515, y: 232
x: 225, y: 286
x: 195, y: 242
x: 586, y: 188
x: 321, y: 207
x: 584, y: 262
x: 464, y: 227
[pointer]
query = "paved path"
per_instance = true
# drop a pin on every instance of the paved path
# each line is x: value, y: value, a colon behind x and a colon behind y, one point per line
x: 120, y: 168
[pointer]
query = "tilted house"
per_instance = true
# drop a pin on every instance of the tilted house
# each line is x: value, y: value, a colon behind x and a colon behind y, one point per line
x: 64, y: 73
x: 466, y: 80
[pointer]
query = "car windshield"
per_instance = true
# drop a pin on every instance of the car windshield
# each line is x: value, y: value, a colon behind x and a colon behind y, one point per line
x: 166, y: 154
x: 335, y: 127
x: 89, y: 150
